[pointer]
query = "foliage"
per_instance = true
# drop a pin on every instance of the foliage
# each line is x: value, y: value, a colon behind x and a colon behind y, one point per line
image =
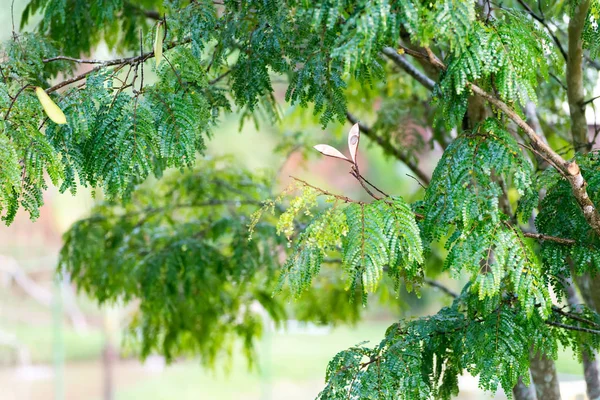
x: 422, y: 359
x: 560, y: 216
x: 180, y: 248
x: 369, y: 237
x: 508, y: 52
x: 180, y: 245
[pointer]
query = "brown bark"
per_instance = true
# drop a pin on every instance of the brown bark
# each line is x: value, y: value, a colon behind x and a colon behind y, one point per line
x: 570, y: 170
x: 575, y: 90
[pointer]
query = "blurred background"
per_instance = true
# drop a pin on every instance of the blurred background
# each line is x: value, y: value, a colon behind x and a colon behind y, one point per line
x: 57, y: 344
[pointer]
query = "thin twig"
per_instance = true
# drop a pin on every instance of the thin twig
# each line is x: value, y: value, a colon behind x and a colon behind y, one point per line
x: 76, y: 60
x: 327, y: 193
x: 575, y: 317
x: 590, y: 100
x: 14, y: 99
x: 119, y: 61
x: 220, y: 77
x: 355, y: 174
x: 373, y: 186
x: 418, y: 181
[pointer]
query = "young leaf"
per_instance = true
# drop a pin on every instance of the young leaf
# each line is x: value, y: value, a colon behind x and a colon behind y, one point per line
x: 353, y: 139
x: 50, y: 107
x: 327, y: 150
x: 158, y: 43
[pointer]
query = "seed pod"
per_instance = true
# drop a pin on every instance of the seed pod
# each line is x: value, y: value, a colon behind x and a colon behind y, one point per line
x: 327, y: 150
x: 50, y: 107
x: 353, y: 139
x: 158, y: 43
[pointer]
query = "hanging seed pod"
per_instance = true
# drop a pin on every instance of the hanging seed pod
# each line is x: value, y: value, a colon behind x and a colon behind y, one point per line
x: 50, y: 107
x: 327, y: 150
x: 353, y: 139
x: 158, y: 43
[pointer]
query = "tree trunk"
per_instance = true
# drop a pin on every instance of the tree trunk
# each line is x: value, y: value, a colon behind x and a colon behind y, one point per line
x: 575, y: 89
x: 522, y: 392
x: 590, y: 372
x: 543, y: 374
x: 590, y: 363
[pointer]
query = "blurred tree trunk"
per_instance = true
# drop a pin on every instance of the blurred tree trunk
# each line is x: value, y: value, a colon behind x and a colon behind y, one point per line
x: 580, y: 141
x: 108, y: 357
x: 543, y: 374
x: 109, y: 353
x: 590, y: 364
x: 522, y: 392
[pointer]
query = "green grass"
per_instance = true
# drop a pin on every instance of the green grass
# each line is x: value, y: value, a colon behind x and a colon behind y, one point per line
x: 41, y: 342
x: 291, y: 366
x: 295, y: 361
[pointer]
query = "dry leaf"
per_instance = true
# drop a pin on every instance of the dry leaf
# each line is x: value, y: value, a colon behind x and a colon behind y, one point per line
x: 327, y: 150
x: 353, y: 139
x: 50, y: 107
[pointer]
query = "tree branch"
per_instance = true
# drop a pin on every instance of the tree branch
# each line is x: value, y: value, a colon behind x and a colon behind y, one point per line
x: 574, y: 316
x: 573, y: 327
x: 108, y: 63
x: 401, y: 61
x: 345, y: 199
x: 440, y: 286
x: 549, y: 238
x: 570, y: 170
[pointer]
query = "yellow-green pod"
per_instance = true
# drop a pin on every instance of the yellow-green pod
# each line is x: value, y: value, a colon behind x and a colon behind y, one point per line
x: 50, y: 107
x: 158, y: 43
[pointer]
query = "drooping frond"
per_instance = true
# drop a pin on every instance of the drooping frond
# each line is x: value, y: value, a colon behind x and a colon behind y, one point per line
x: 180, y: 249
x: 422, y: 359
x: 499, y: 259
x: 115, y: 21
x: 371, y: 238
x: 560, y: 215
x: 508, y: 53
x: 591, y: 30
x: 465, y: 188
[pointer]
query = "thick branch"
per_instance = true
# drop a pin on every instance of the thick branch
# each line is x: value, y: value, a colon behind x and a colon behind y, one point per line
x: 575, y: 90
x: 400, y: 61
x: 570, y: 170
